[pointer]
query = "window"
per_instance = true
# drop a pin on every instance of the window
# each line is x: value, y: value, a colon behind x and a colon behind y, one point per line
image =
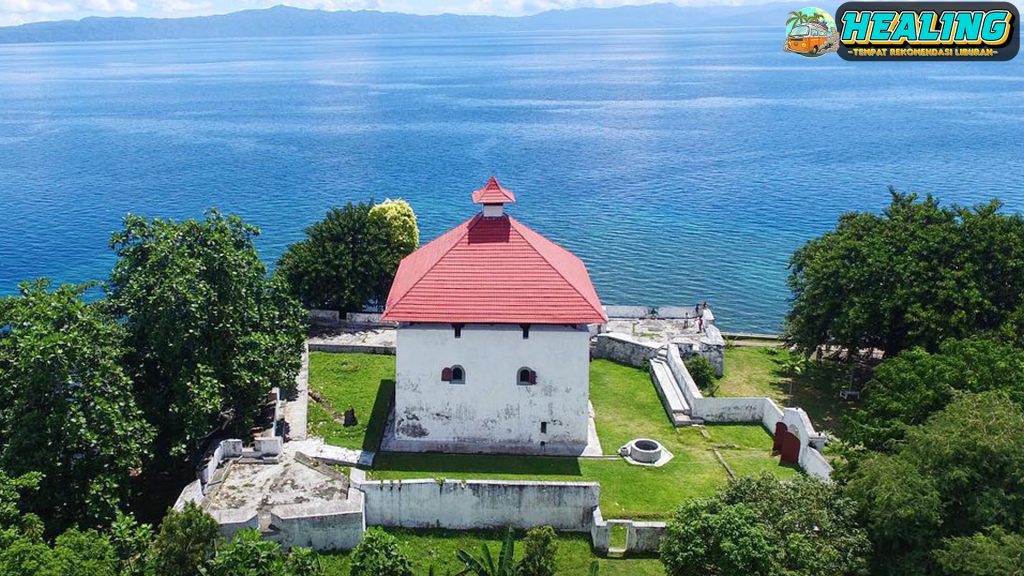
x: 458, y: 330
x: 526, y: 376
x: 543, y: 427
x: 458, y: 375
x: 453, y: 375
x: 526, y: 331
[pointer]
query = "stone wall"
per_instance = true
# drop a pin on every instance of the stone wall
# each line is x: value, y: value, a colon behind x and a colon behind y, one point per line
x: 624, y: 350
x: 231, y: 522
x: 322, y: 526
x: 640, y: 536
x: 747, y: 409
x: 476, y: 504
x: 322, y: 317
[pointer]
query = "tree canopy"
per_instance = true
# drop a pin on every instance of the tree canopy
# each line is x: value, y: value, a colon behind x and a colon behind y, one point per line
x: 906, y: 390
x: 208, y: 335
x: 959, y: 475
x: 766, y: 527
x: 67, y: 411
x: 915, y: 275
x: 349, y: 258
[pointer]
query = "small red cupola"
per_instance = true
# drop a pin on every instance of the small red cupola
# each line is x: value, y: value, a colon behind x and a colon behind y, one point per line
x: 493, y: 196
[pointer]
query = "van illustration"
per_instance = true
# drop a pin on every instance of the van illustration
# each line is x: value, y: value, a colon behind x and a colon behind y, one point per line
x: 811, y: 32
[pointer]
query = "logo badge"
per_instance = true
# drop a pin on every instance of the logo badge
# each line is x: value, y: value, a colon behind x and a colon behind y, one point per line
x: 928, y: 30
x: 811, y: 32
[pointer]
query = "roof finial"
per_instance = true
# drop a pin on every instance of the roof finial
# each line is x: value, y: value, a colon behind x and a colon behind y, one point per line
x: 493, y: 193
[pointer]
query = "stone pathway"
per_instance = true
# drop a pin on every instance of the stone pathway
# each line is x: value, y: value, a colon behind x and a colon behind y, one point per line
x: 295, y: 410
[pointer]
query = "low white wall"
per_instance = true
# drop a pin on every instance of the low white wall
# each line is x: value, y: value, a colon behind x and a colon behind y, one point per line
x: 231, y: 522
x: 323, y: 526
x: 474, y: 504
x: 225, y: 449
x: 623, y: 349
x: 629, y: 311
x: 763, y: 410
x: 640, y: 536
x: 323, y: 316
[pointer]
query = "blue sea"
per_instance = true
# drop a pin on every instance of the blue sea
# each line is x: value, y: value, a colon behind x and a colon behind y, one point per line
x: 682, y: 166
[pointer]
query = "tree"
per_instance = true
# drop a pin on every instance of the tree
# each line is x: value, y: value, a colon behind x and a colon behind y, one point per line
x: 994, y: 553
x: 248, y: 554
x: 377, y: 554
x: 765, y: 526
x: 539, y: 558
x: 74, y: 553
x: 208, y: 334
x: 349, y: 258
x: 66, y: 406
x: 702, y: 371
x: 398, y: 220
x: 916, y: 275
x: 131, y: 541
x: 186, y: 541
x: 909, y: 388
x: 958, y: 475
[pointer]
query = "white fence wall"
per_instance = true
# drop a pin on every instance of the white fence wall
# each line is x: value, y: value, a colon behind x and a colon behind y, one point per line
x: 762, y: 410
x: 474, y: 504
x: 623, y: 349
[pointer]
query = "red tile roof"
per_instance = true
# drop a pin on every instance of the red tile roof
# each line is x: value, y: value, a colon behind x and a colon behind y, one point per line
x: 493, y: 270
x: 493, y: 193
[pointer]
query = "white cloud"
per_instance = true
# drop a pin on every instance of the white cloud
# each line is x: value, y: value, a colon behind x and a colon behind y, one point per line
x: 9, y: 7
x: 110, y: 5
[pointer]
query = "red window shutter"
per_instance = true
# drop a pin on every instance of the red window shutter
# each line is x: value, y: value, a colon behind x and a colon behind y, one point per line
x: 533, y: 377
x: 446, y: 375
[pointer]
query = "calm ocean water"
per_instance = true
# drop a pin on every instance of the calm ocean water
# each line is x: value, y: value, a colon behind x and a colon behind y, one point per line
x: 681, y: 166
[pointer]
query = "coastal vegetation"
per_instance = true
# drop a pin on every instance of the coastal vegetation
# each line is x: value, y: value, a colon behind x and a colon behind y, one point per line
x: 349, y: 259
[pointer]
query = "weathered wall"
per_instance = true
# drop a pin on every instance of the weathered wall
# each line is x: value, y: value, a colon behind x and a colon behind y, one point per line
x: 480, y: 504
x: 232, y: 521
x: 323, y: 316
x: 324, y: 526
x: 623, y: 349
x: 351, y: 348
x: 491, y: 411
x: 640, y: 536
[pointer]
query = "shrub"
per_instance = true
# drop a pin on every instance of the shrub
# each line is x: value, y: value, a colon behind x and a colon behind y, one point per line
x: 378, y: 555
x: 539, y: 559
x: 186, y: 541
x: 702, y: 371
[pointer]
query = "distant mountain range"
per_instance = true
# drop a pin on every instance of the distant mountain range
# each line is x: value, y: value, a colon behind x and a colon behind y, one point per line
x: 282, y: 21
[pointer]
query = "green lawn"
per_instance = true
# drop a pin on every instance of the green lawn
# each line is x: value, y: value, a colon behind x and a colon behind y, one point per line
x: 626, y: 407
x: 360, y: 381
x: 761, y: 371
x: 437, y: 548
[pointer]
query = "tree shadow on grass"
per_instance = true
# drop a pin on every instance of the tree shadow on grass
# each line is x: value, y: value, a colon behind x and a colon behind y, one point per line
x: 435, y: 464
x: 379, y: 415
x: 815, y: 389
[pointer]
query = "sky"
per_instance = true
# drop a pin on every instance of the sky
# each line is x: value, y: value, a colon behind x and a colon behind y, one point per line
x: 14, y: 12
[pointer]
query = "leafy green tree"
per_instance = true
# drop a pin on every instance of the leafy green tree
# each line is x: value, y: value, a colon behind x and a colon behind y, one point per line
x: 12, y: 493
x: 909, y: 388
x: 398, y: 220
x: 378, y: 554
x: 765, y: 526
x: 915, y: 275
x: 208, y: 334
x: 131, y: 541
x: 958, y: 475
x: 485, y: 564
x: 248, y: 554
x: 66, y: 406
x: 349, y: 258
x: 84, y: 553
x: 541, y: 545
x: 994, y: 553
x: 707, y: 536
x: 186, y: 541
x: 702, y: 371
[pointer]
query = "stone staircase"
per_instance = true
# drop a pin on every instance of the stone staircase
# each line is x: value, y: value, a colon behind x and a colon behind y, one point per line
x: 672, y: 398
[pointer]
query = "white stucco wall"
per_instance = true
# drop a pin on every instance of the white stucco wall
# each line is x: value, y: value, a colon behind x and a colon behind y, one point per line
x: 491, y: 412
x: 478, y: 504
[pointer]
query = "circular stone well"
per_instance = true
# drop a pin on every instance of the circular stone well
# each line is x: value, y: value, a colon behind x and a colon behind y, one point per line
x: 645, y: 450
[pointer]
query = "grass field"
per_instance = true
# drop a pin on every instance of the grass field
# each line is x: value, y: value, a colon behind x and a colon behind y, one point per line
x: 437, y: 548
x: 626, y: 407
x: 762, y: 371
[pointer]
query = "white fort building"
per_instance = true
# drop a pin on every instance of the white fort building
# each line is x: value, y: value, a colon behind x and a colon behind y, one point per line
x: 492, y: 347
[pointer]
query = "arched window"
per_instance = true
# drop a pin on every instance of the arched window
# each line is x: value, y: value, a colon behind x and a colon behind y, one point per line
x: 446, y: 375
x: 458, y: 375
x: 526, y: 376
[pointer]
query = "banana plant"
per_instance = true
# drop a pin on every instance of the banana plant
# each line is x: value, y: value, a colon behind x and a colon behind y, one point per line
x: 484, y: 565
